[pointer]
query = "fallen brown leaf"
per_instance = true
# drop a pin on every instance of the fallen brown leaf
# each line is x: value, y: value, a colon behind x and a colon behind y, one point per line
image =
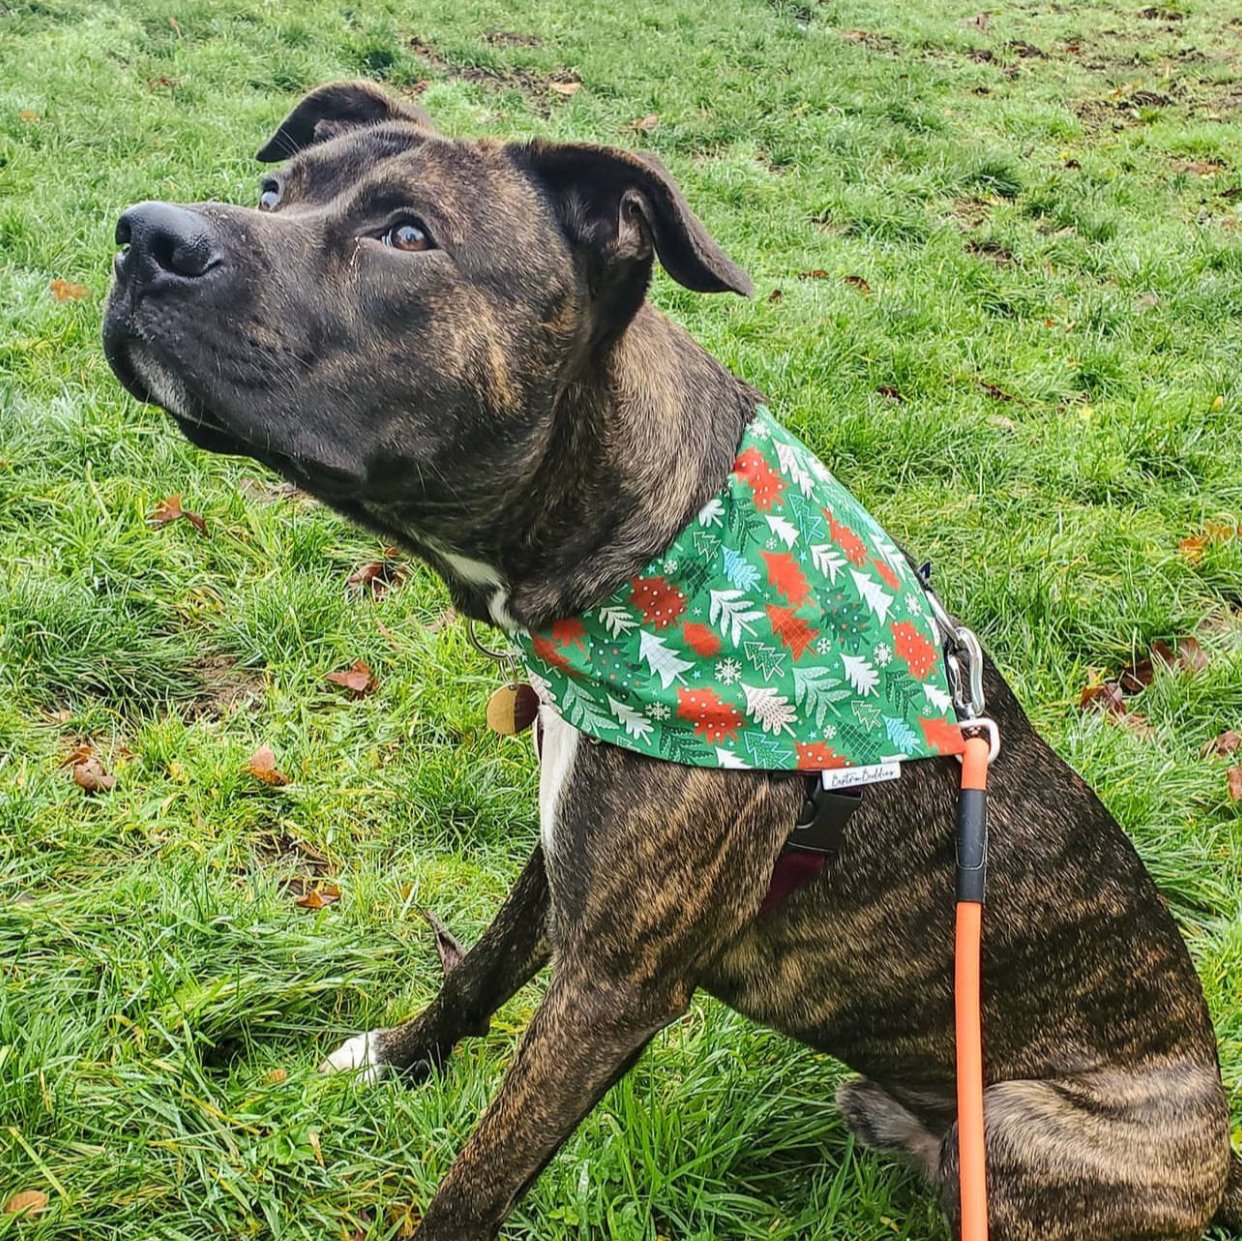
x: 442, y: 620
x: 1185, y: 655
x: 1201, y: 167
x: 27, y: 117
x: 892, y: 393
x: 451, y: 952
x: 860, y: 283
x: 262, y: 766
x: 565, y: 88
x: 995, y: 391
x: 1192, y: 548
x: 1107, y: 697
x: 357, y: 678
x: 1233, y: 781
x: 169, y: 510
x: 377, y: 575
x: 92, y: 777
x: 644, y: 124
x: 775, y: 295
x: 999, y: 420
x: 816, y: 273
x: 29, y: 1202
x: 275, y: 1077
x: 980, y: 21
x: 67, y: 291
x: 1227, y: 743
x: 319, y: 898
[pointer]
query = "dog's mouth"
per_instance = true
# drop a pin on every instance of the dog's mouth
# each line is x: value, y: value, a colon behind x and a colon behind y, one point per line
x: 148, y: 378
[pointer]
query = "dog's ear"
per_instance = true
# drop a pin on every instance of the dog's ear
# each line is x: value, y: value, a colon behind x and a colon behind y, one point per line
x: 623, y: 206
x: 332, y: 109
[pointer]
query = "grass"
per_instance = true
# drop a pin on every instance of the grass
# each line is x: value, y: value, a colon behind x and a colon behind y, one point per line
x: 1037, y: 386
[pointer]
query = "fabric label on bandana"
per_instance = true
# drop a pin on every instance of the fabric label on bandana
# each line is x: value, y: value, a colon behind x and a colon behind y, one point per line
x: 781, y: 630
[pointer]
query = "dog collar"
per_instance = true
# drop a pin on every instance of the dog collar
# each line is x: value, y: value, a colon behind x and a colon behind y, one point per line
x: 782, y: 629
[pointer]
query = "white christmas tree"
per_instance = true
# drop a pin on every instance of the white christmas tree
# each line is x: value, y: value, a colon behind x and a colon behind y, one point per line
x: 784, y: 530
x: 765, y: 706
x: 860, y: 674
x: 726, y: 758
x: 731, y: 613
x: 827, y: 560
x: 712, y: 512
x: 635, y: 724
x: 792, y: 468
x: 937, y: 697
x: 661, y: 658
x: 875, y: 597
x: 618, y: 620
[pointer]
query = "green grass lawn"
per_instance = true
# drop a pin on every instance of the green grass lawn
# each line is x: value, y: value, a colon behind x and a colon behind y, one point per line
x: 999, y: 270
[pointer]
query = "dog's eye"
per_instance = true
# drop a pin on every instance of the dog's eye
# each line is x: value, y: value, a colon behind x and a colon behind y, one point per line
x: 408, y: 235
x: 269, y: 197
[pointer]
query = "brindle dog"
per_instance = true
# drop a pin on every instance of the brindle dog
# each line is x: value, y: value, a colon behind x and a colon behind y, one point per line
x: 449, y: 342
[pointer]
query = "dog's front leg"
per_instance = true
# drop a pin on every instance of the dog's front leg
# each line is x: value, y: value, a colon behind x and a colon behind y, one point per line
x: 509, y: 953
x: 584, y: 1036
x: 653, y: 869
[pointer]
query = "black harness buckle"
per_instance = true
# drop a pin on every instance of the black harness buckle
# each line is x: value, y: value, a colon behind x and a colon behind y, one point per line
x: 821, y: 823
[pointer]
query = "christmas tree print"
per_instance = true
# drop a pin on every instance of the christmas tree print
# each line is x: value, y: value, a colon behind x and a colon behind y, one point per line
x: 786, y: 578
x: 781, y: 629
x: 764, y: 482
x: 791, y: 629
x: 769, y: 709
x: 659, y: 602
x: 711, y: 717
x: 851, y: 545
x: 920, y: 655
x: 661, y: 659
x: 700, y: 639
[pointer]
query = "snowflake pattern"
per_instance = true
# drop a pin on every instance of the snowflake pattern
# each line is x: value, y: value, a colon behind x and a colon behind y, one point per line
x: 742, y: 649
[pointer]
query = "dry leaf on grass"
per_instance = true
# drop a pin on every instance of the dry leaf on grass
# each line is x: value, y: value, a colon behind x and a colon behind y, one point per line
x: 27, y: 117
x: 816, y: 273
x: 262, y: 766
x: 319, y: 898
x: 644, y: 124
x: 1227, y: 743
x: 775, y: 295
x: 377, y: 576
x: 1234, y: 783
x: 860, y: 283
x: 67, y: 291
x: 565, y: 88
x: 170, y: 510
x: 88, y: 771
x: 29, y: 1202
x: 451, y: 952
x: 357, y: 678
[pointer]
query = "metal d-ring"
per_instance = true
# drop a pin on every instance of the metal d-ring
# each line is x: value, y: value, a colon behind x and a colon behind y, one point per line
x: 503, y: 657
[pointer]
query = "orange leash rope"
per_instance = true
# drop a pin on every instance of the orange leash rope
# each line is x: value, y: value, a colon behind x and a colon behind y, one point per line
x: 971, y: 880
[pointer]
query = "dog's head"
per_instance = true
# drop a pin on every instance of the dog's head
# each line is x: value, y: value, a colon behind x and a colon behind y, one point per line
x: 397, y: 317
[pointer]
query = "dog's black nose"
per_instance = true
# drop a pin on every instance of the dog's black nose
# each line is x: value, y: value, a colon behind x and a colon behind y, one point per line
x: 161, y: 239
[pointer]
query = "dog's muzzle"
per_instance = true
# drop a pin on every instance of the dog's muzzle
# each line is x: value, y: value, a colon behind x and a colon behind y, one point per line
x: 162, y: 243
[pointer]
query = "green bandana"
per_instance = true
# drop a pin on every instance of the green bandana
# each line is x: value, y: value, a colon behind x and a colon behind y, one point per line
x: 782, y: 630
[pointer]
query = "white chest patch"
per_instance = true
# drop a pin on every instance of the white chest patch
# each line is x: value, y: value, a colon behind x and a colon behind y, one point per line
x: 557, y: 752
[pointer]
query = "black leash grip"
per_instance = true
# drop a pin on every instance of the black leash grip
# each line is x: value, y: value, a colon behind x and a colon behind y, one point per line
x: 972, y: 845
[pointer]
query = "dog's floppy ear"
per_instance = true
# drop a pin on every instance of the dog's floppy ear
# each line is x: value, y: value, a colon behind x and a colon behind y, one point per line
x: 332, y: 109
x: 623, y: 206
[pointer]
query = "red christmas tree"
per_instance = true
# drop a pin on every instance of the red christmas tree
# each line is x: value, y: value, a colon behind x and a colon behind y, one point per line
x: 660, y: 603
x: 943, y: 736
x: 701, y: 639
x: 786, y: 578
x: 886, y: 572
x: 713, y: 718
x: 919, y: 654
x: 549, y: 652
x: 767, y: 485
x: 816, y: 756
x: 570, y: 632
x: 854, y: 548
x: 791, y: 629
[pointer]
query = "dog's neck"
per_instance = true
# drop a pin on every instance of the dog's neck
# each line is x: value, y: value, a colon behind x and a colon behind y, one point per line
x: 635, y: 445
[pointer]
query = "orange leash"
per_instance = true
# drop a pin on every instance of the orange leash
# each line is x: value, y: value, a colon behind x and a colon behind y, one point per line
x: 972, y: 837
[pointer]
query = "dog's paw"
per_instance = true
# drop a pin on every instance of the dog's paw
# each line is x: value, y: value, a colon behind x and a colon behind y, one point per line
x: 359, y: 1055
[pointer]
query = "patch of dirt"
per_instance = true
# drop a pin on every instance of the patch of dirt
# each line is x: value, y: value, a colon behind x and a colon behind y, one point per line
x: 991, y: 250
x: 539, y: 88
x: 869, y: 38
x: 970, y: 212
x: 278, y: 848
x: 1025, y: 50
x: 223, y: 688
x: 1154, y: 13
x: 510, y: 38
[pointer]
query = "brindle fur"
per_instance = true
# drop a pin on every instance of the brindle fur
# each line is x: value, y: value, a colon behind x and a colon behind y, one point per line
x: 512, y: 409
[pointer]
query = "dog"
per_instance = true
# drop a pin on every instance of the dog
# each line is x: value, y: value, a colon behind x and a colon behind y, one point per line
x: 450, y: 343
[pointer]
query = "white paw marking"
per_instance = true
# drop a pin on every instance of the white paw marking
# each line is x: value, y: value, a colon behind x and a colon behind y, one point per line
x: 358, y: 1055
